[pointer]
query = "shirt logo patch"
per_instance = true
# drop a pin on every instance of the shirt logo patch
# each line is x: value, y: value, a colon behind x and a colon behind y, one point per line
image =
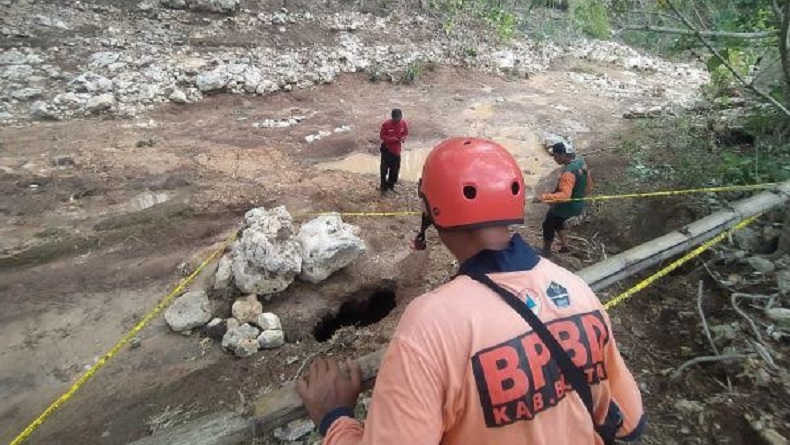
x: 531, y: 299
x: 558, y: 295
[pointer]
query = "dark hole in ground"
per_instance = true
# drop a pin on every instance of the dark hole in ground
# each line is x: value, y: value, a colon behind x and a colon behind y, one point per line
x: 358, y: 312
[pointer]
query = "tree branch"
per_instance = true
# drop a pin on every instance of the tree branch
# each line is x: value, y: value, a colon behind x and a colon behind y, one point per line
x: 694, y: 32
x: 726, y: 63
x: 708, y: 359
x: 784, y: 34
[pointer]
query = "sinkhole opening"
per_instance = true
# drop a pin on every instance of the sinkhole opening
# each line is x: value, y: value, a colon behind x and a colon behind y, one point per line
x: 357, y: 312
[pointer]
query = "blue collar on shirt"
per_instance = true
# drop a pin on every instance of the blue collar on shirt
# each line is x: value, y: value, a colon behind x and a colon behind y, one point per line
x: 518, y: 256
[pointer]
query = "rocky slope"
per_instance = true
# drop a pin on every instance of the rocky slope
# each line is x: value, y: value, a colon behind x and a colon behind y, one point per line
x: 83, y: 59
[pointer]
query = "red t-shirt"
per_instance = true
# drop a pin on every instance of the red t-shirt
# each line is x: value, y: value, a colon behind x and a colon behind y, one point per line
x: 393, y: 134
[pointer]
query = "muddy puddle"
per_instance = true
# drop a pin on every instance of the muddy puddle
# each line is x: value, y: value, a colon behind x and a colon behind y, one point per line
x: 526, y: 148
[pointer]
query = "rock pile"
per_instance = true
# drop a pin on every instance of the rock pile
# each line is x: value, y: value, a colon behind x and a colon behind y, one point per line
x: 266, y: 260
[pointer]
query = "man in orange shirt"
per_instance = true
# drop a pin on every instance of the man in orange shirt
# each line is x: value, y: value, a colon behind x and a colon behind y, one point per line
x: 574, y: 184
x: 393, y: 133
x: 515, y: 350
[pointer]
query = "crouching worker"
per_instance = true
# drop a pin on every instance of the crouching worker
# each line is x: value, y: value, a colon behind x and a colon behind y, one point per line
x: 566, y: 204
x: 513, y: 350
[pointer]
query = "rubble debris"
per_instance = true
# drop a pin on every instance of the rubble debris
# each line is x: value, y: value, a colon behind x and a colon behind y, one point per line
x: 190, y: 310
x: 267, y: 258
x: 279, y: 123
x: 328, y: 245
x: 310, y: 138
x: 153, y: 66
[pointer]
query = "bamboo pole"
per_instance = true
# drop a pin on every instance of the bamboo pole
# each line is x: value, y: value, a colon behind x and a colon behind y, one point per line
x: 282, y: 406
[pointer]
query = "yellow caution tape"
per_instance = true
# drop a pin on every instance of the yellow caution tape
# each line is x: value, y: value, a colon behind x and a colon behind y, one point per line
x: 367, y: 213
x: 24, y: 435
x: 730, y: 188
x: 674, y: 265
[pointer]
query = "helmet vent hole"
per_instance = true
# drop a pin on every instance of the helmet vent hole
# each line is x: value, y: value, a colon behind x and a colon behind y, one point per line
x: 470, y: 192
x: 467, y: 142
x: 515, y: 188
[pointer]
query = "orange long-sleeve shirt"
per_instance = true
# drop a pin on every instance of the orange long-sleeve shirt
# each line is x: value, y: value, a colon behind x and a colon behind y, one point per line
x: 464, y: 368
x: 565, y: 187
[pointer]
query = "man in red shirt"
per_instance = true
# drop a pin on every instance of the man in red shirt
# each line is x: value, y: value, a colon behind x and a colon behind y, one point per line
x: 393, y: 133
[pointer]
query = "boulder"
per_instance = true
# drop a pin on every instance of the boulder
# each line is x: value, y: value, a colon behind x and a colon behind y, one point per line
x: 783, y: 282
x: 17, y: 72
x: 12, y: 57
x: 550, y: 139
x: 224, y: 273
x: 328, y: 245
x: 747, y: 239
x: 100, y: 102
x: 26, y: 93
x: 91, y: 83
x: 268, y: 320
x: 42, y: 110
x: 271, y: 338
x: 220, y: 6
x: 213, y: 80
x: 780, y: 315
x: 104, y: 58
x: 232, y: 323
x: 178, y: 97
x: 173, y: 4
x: 241, y: 340
x: 761, y: 265
x: 267, y: 259
x: 247, y: 309
x: 188, y: 311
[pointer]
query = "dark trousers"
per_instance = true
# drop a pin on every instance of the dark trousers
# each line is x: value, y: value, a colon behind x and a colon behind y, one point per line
x: 551, y: 224
x: 390, y: 166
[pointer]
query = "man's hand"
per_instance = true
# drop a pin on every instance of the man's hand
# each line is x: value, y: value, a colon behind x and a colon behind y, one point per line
x: 324, y: 388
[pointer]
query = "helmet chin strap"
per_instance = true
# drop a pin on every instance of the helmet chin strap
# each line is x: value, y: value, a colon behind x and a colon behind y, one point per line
x: 419, y: 240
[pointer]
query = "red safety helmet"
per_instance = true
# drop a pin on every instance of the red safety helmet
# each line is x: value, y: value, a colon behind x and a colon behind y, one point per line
x: 469, y: 183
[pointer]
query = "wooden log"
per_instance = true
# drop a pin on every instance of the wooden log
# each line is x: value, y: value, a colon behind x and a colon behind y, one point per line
x: 625, y: 264
x: 282, y: 406
x: 270, y: 411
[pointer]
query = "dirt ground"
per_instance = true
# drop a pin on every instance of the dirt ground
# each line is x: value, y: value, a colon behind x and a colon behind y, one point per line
x: 90, y: 245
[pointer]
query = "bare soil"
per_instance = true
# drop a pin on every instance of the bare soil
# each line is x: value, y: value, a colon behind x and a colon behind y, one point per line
x: 90, y: 246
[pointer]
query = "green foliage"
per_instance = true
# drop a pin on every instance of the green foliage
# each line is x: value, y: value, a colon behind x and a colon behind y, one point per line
x: 692, y: 151
x: 412, y: 73
x: 502, y: 19
x: 592, y: 16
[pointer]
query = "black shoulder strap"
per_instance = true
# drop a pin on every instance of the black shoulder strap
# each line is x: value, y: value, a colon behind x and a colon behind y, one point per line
x: 572, y: 373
